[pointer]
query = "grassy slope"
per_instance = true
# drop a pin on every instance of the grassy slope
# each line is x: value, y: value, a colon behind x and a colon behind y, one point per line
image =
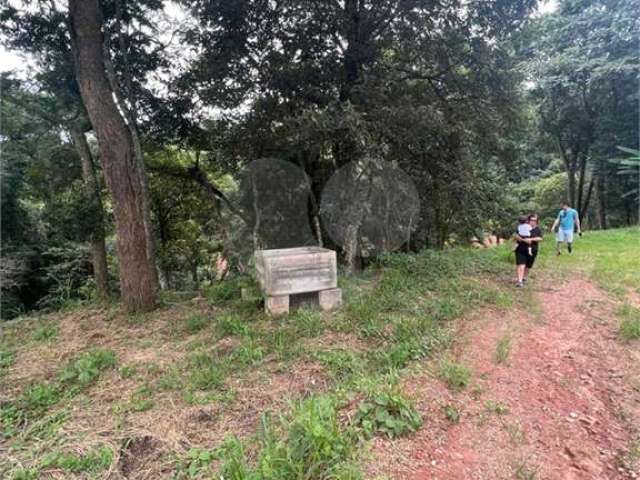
x: 185, y: 391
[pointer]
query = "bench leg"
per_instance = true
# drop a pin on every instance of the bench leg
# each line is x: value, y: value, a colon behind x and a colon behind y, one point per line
x: 330, y: 299
x: 277, y: 305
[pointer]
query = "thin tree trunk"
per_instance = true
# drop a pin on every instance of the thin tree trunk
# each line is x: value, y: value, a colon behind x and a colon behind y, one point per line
x: 571, y: 177
x: 582, y: 214
x: 602, y: 200
x: 98, y: 249
x: 138, y: 279
x: 581, y: 180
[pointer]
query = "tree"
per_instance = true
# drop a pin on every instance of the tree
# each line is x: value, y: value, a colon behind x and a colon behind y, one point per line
x: 583, y: 63
x: 46, y: 214
x: 44, y: 35
x: 424, y: 84
x: 124, y: 175
x: 92, y: 192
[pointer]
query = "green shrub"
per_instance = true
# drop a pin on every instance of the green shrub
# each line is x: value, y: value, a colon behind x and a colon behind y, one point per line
x: 197, y: 462
x: 127, y: 371
x: 224, y: 291
x: 388, y: 413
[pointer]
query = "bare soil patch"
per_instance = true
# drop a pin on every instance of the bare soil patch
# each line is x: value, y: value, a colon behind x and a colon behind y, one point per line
x: 565, y: 405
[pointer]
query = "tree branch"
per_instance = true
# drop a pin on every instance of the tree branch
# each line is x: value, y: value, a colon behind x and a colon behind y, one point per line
x: 196, y: 174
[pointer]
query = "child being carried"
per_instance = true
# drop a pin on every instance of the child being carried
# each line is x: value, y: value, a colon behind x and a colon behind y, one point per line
x: 524, y: 231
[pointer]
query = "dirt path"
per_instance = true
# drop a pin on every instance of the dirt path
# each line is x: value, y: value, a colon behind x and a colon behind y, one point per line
x: 565, y: 405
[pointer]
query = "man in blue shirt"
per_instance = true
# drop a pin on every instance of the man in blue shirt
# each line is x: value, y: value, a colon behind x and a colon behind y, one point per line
x: 566, y: 222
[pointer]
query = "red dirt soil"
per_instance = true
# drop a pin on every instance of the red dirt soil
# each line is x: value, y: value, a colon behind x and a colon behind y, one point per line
x: 572, y: 390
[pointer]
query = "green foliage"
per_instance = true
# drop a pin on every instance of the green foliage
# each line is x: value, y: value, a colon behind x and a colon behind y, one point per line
x: 307, y: 323
x: 452, y: 413
x: 197, y: 461
x: 127, y: 371
x: 205, y: 372
x: 630, y: 166
x: 90, y: 462
x: 87, y: 368
x: 7, y: 358
x: 141, y: 399
x: 223, y: 291
x: 231, y: 324
x: 312, y: 445
x: 456, y: 376
x: 25, y: 474
x: 39, y: 397
x: 498, y: 408
x: 45, y: 332
x: 548, y: 192
x: 574, y: 72
x: 196, y: 322
x: 389, y: 413
x: 342, y: 365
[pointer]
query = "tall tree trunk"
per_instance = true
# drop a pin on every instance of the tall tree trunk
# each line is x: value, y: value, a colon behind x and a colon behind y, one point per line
x: 98, y: 250
x: 351, y: 59
x: 138, y: 280
x: 129, y: 113
x: 571, y: 177
x: 584, y: 209
x: 581, y: 179
x: 602, y: 199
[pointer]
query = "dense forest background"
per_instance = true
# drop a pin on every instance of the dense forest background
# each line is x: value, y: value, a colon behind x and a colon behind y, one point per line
x: 135, y: 145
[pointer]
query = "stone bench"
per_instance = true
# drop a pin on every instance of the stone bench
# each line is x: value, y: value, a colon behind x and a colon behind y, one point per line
x: 290, y: 271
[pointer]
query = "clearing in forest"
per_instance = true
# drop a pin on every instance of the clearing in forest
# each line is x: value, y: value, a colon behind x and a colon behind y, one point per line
x: 435, y: 368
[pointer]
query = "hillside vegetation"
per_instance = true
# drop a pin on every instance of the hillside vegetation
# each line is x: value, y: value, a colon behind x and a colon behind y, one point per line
x: 211, y: 384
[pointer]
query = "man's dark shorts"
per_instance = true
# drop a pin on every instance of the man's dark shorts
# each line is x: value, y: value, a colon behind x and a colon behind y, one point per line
x: 523, y: 258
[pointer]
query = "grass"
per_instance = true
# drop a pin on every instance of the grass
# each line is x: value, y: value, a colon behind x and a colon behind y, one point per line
x: 45, y: 332
x: 396, y: 315
x: 195, y: 323
x: 451, y: 413
x: 629, y: 322
x: 524, y: 471
x: 90, y: 462
x: 609, y: 257
x: 37, y: 398
x: 7, y: 358
x: 503, y: 349
x: 455, y: 375
x: 310, y: 443
x: 498, y: 408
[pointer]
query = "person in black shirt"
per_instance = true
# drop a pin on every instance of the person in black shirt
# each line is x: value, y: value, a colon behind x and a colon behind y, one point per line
x: 524, y: 260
